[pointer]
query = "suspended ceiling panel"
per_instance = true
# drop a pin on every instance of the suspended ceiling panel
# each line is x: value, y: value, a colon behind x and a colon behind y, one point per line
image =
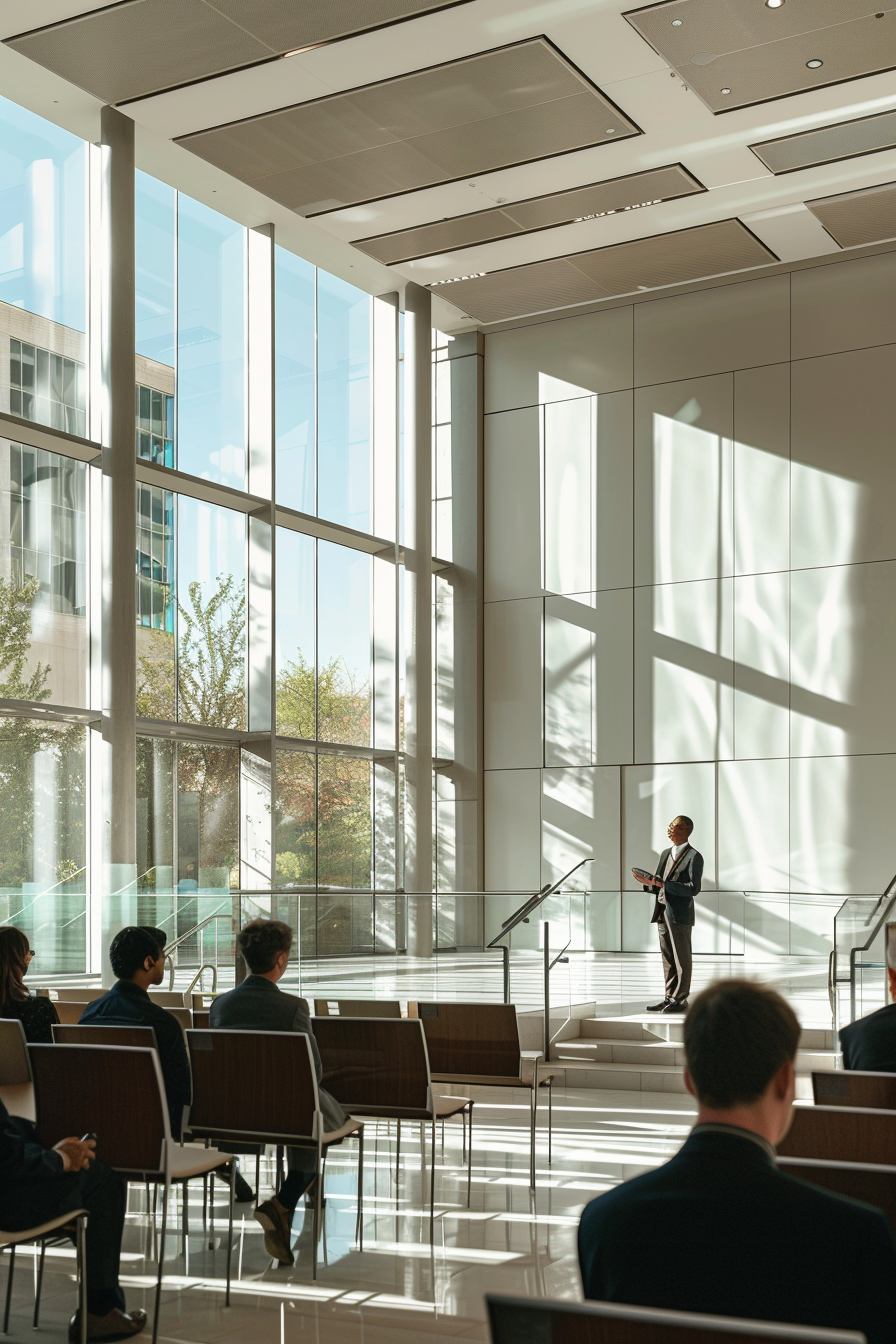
x: 493, y: 110
x: 144, y: 46
x: 645, y: 263
x: 615, y: 196
x: 846, y: 140
x: 858, y: 217
x: 734, y: 53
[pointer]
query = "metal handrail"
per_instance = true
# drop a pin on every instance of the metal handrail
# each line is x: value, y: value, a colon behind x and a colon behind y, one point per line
x: 521, y: 916
x: 191, y: 933
x: 197, y: 979
x: 853, y: 963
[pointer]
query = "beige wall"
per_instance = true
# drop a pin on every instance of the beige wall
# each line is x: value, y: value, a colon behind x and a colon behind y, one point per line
x: 690, y: 585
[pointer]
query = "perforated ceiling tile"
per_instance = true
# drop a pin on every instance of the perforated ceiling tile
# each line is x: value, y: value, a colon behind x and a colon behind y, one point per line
x: 542, y: 212
x: 140, y: 47
x: 844, y: 140
x: 488, y: 111
x: 859, y: 217
x: 734, y: 53
x: 644, y: 263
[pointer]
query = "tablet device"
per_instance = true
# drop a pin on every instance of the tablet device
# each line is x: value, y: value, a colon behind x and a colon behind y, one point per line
x: 643, y: 876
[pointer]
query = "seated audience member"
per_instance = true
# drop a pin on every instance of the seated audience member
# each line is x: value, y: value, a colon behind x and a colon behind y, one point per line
x: 719, y: 1228
x: 870, y: 1043
x: 258, y: 1005
x: 38, y: 1183
x: 137, y: 955
x: 36, y: 1014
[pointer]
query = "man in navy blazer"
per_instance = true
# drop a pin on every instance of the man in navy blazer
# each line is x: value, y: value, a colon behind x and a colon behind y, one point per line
x: 675, y: 883
x: 720, y: 1229
x: 870, y: 1043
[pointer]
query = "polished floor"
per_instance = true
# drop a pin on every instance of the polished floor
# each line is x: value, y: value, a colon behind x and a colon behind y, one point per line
x: 400, y: 1289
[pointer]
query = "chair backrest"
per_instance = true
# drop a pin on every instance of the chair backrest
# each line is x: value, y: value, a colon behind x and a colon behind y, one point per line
x: 116, y: 1092
x: 68, y: 1010
x: 841, y: 1134
x: 258, y: 1085
x: 375, y: 1065
x: 359, y: 1007
x: 183, y: 1015
x: 516, y: 1319
x: 15, y: 1068
x: 201, y: 1019
x: 471, y: 1038
x: 81, y: 994
x: 101, y: 1033
x: 167, y: 998
x: 869, y: 1184
x: 850, y: 1087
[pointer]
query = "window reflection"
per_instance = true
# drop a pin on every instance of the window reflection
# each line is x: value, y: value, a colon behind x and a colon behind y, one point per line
x: 343, y: 393
x: 344, y: 645
x: 294, y: 307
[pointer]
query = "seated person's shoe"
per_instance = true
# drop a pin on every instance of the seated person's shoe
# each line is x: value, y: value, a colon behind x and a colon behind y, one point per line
x: 658, y: 1007
x: 311, y: 1195
x: 676, y: 1006
x: 275, y: 1221
x: 242, y: 1190
x: 114, y: 1325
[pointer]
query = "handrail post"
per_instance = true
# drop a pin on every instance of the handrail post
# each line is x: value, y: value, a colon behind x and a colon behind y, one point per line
x: 506, y: 950
x: 547, y: 991
x: 852, y: 983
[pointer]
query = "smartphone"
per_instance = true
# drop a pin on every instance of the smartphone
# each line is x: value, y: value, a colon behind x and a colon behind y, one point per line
x: 89, y: 1135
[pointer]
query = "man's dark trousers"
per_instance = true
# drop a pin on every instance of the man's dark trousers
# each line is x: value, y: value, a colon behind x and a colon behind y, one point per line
x: 99, y: 1190
x: 675, y: 946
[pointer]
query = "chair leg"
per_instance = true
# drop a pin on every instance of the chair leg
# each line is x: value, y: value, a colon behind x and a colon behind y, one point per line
x: 550, y: 1120
x: 432, y: 1187
x: 81, y: 1253
x: 12, y: 1267
x: 359, y: 1230
x: 166, y: 1193
x: 230, y: 1229
x: 258, y: 1176
x: 469, y: 1156
x: 397, y: 1155
x: 40, y: 1282
x: 533, y: 1111
x: 317, y: 1209
x: 185, y: 1222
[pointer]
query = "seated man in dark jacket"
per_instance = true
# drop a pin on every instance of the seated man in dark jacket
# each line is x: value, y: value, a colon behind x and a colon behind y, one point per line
x: 870, y: 1043
x: 137, y: 955
x: 720, y: 1229
x: 258, y: 1005
x: 38, y: 1184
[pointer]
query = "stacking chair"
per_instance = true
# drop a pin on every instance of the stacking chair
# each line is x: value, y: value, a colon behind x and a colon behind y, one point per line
x: 16, y: 1091
x: 261, y: 1087
x: 854, y: 1087
x: 201, y: 1019
x: 167, y: 998
x: 118, y: 1094
x: 81, y: 994
x: 379, y: 1067
x: 478, y: 1045
x: 102, y: 1033
x: 41, y: 1233
x: 358, y: 1007
x: 512, y: 1319
x: 849, y: 1150
x: 70, y: 1010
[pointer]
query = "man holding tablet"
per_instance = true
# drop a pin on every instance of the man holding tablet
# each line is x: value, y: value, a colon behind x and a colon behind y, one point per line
x: 675, y: 883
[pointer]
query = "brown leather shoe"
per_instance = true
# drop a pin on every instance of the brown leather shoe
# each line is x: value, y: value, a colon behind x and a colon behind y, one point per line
x: 275, y: 1221
x: 114, y: 1325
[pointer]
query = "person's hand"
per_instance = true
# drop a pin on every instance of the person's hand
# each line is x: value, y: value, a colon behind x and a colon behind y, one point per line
x: 646, y: 882
x: 76, y: 1155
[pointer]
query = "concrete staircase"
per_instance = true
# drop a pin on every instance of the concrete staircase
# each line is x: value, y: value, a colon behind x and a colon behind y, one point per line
x: 644, y: 1053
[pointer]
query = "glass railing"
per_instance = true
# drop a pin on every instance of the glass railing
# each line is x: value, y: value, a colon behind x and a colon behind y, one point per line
x: 858, y: 959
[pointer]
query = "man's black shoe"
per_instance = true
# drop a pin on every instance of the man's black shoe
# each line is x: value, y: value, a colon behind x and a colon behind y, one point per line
x: 115, y: 1325
x: 659, y: 1007
x: 242, y: 1190
x: 676, y: 1006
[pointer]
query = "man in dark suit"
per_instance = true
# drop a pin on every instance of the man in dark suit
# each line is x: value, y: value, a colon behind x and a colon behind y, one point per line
x: 675, y: 883
x: 870, y: 1043
x: 720, y: 1229
x: 258, y: 1005
x: 38, y: 1184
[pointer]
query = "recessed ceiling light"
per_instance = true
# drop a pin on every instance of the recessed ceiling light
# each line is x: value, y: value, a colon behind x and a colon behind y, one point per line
x: 643, y: 286
x: 676, y: 23
x: 611, y: 130
x: 724, y: 90
x: 814, y: 64
x: 773, y: 4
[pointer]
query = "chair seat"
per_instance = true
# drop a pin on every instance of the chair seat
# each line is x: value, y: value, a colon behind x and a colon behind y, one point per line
x: 18, y: 1098
x: 343, y: 1132
x: 448, y: 1106
x: 195, y: 1160
x: 496, y: 1080
x: 29, y: 1234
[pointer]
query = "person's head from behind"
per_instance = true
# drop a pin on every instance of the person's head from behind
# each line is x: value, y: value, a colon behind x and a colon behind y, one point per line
x: 679, y: 830
x: 740, y: 1041
x: 137, y: 953
x: 891, y: 959
x: 15, y: 958
x: 265, y: 945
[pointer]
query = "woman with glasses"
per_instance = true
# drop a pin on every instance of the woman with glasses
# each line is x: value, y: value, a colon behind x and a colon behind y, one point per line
x: 36, y: 1015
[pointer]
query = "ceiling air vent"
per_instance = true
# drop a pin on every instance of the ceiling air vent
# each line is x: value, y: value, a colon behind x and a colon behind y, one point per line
x: 858, y: 217
x: 845, y: 140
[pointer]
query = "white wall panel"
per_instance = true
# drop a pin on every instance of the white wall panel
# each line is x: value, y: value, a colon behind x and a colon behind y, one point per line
x: 754, y: 826
x: 553, y: 361
x: 729, y: 327
x: 512, y: 830
x: 841, y: 823
x: 580, y: 812
x: 684, y: 674
x: 652, y: 796
x: 513, y: 695
x: 684, y: 480
x: 512, y: 504
x: 762, y: 469
x: 588, y: 679
x: 844, y: 307
x: 844, y: 469
x: 603, y: 921
x: 844, y: 645
x: 762, y: 665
